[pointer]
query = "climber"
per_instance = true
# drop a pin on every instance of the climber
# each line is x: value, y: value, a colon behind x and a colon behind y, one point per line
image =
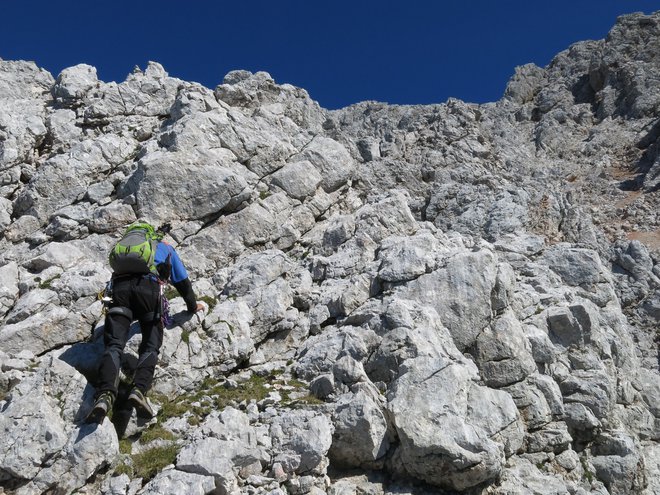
x: 142, y: 263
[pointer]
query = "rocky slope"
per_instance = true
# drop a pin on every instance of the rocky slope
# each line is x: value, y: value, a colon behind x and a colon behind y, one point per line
x: 450, y: 298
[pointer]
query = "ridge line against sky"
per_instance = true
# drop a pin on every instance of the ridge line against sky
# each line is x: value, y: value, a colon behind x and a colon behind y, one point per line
x: 344, y: 52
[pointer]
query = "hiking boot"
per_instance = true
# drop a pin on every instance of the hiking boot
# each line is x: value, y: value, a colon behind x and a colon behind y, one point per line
x: 101, y: 408
x: 139, y: 401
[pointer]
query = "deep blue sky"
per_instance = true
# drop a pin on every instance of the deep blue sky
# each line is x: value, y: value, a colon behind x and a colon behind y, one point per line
x: 340, y: 51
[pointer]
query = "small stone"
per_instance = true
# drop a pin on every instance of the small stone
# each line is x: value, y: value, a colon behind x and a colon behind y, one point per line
x: 279, y: 473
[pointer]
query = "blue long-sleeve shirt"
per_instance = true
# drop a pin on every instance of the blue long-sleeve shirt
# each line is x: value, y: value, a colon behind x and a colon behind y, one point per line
x: 178, y: 273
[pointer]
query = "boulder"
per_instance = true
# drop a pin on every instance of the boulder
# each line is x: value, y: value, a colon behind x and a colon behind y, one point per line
x: 175, y: 482
x: 303, y: 438
x: 460, y: 292
x: 361, y: 433
x: 50, y: 447
x: 73, y: 84
x: 298, y: 179
x: 503, y: 353
x: 439, y: 444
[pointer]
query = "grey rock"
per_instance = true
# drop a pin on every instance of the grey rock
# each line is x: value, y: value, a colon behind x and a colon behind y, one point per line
x: 5, y: 213
x: 458, y: 455
x: 66, y: 178
x: 8, y: 286
x: 100, y: 191
x: 348, y: 371
x: 174, y: 482
x: 651, y: 454
x: 648, y: 383
x: 593, y: 389
x: 256, y: 271
x: 62, y: 129
x: 21, y: 228
x: 219, y: 185
x: 495, y: 413
x: 74, y: 83
x: 576, y: 267
x: 147, y: 93
x: 33, y: 302
x: 44, y: 331
x: 298, y: 180
x: 616, y: 464
x: 554, y: 437
x: 361, y: 433
x: 111, y: 217
x: 460, y: 292
x: 56, y: 254
x: 306, y: 435
x: 322, y: 386
x: 405, y: 258
x: 525, y: 83
x: 524, y: 476
x: 320, y: 352
x: 208, y: 457
x: 23, y: 80
x: 503, y: 353
x: 24, y: 129
x: 246, y: 90
x: 331, y: 159
x: 564, y: 327
x: 57, y: 399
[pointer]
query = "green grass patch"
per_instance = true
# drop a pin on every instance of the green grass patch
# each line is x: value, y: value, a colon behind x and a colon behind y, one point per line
x: 156, y: 433
x: 170, y: 408
x: 47, y: 284
x: 587, y: 473
x: 252, y: 389
x: 212, y: 394
x: 150, y: 462
x: 185, y: 336
x: 124, y: 468
x: 297, y: 383
x: 125, y: 446
x: 309, y: 399
x: 210, y: 301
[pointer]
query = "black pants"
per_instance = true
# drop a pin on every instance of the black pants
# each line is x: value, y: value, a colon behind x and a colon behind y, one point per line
x: 141, y: 296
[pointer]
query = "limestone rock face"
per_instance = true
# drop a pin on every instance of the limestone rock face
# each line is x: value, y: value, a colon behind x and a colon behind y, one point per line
x: 397, y: 299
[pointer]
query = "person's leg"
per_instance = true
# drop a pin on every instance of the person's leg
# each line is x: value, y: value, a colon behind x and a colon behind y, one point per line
x: 152, y: 339
x: 147, y: 299
x: 117, y: 323
x: 115, y: 335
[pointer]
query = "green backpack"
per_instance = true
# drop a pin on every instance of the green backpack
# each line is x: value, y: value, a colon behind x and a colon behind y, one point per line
x: 135, y: 251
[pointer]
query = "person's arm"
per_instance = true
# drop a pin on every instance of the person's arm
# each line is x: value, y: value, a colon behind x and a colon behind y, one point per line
x: 184, y: 287
x: 181, y: 282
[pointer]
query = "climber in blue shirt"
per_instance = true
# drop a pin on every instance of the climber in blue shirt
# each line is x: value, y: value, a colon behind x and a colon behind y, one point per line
x: 137, y: 295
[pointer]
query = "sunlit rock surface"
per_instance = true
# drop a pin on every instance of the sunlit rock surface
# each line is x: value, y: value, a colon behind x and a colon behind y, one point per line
x: 398, y: 299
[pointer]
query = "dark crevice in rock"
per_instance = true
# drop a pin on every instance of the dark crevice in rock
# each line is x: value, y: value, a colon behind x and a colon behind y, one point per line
x: 58, y: 347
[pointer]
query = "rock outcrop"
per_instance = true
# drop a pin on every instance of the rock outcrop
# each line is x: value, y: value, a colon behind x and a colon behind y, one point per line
x: 450, y: 298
